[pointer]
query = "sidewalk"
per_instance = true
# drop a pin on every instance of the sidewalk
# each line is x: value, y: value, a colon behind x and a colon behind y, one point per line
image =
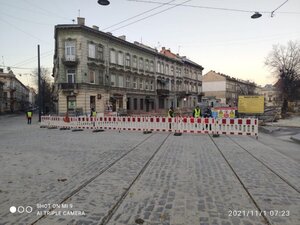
x: 292, y: 122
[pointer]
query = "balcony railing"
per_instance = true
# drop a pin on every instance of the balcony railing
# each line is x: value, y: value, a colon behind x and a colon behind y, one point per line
x: 162, y: 91
x: 68, y: 86
x: 70, y: 60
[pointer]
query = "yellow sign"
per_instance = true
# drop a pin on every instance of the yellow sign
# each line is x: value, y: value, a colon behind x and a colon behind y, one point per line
x: 251, y: 104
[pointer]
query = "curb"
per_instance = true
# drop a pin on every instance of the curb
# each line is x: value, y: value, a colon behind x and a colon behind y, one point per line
x: 267, y: 130
x: 297, y: 140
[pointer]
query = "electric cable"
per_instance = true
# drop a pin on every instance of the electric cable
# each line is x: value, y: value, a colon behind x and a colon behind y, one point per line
x: 151, y: 15
x: 140, y: 14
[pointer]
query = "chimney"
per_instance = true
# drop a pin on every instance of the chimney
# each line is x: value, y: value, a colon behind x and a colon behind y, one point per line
x: 95, y: 27
x: 123, y: 37
x: 80, y: 21
x: 109, y: 33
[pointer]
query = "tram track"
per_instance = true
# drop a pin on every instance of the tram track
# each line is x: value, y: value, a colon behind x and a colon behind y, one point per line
x: 266, y: 220
x: 106, y: 218
x: 90, y: 180
x: 265, y: 165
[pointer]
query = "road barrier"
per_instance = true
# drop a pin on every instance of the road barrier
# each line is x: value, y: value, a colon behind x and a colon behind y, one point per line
x: 237, y: 126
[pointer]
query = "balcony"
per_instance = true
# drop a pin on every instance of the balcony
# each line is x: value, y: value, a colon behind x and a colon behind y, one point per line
x: 68, y: 86
x: 70, y: 60
x: 163, y: 92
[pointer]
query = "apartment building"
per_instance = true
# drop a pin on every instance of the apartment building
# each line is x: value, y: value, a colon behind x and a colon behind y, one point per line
x: 15, y: 95
x: 226, y: 88
x: 94, y: 69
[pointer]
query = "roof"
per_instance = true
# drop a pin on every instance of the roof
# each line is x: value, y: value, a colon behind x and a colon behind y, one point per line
x: 118, y: 39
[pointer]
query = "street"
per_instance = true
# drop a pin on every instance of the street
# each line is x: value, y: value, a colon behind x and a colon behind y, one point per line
x: 52, y: 176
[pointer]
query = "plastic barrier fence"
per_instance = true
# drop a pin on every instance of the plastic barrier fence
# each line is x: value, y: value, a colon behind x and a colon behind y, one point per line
x: 164, y: 124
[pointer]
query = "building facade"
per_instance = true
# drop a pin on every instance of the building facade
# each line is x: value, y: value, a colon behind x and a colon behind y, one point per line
x: 96, y: 70
x: 15, y: 95
x: 271, y: 95
x: 226, y: 88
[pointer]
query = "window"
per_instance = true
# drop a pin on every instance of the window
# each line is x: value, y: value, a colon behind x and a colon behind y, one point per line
x: 120, y: 58
x: 158, y: 67
x: 113, y: 56
x: 101, y: 52
x: 146, y: 85
x: 151, y: 66
x: 167, y: 69
x: 127, y: 60
x: 128, y: 103
x: 101, y: 74
x: 134, y: 83
x: 128, y: 81
x: 70, y: 76
x: 92, y: 51
x: 135, y: 103
x: 147, y: 65
x: 92, y: 76
x: 121, y: 81
x: 141, y: 104
x: 162, y: 68
x: 113, y: 80
x: 141, y: 64
x: 70, y: 50
x: 134, y: 62
x: 141, y: 83
x: 151, y: 85
x: 172, y: 70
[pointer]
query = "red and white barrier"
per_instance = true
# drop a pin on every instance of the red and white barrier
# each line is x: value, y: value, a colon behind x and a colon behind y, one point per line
x: 163, y: 124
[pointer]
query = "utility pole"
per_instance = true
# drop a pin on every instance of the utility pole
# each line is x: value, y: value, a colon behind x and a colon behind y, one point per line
x: 39, y: 85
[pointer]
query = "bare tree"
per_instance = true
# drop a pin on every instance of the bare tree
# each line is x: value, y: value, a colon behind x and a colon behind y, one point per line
x: 46, y: 89
x: 284, y: 62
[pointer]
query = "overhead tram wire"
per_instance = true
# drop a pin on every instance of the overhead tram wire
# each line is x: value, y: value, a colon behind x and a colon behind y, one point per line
x: 33, y: 59
x: 34, y: 11
x: 272, y: 13
x: 216, y: 8
x: 176, y: 5
x: 140, y: 14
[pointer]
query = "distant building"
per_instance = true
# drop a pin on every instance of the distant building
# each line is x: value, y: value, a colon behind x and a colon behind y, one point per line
x: 32, y: 96
x: 15, y: 95
x: 226, y: 88
x: 271, y: 95
x: 93, y: 69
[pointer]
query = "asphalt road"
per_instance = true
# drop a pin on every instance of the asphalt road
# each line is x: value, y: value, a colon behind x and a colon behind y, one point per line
x: 64, y: 177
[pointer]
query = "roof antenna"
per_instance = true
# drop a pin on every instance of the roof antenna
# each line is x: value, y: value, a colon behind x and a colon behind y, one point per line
x: 78, y: 12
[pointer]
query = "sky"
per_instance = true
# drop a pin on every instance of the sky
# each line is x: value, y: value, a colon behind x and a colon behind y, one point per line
x: 217, y: 34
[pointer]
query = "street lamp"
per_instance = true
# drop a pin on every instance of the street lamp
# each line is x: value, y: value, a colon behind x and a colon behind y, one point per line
x: 103, y: 2
x: 256, y: 15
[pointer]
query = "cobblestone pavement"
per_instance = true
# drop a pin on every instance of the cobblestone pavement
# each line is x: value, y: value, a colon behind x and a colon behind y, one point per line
x: 131, y: 178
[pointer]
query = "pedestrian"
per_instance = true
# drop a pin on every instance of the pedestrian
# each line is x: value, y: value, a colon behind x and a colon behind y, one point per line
x: 171, y: 112
x: 29, y: 116
x: 197, y: 112
x: 207, y: 112
x: 93, y: 113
